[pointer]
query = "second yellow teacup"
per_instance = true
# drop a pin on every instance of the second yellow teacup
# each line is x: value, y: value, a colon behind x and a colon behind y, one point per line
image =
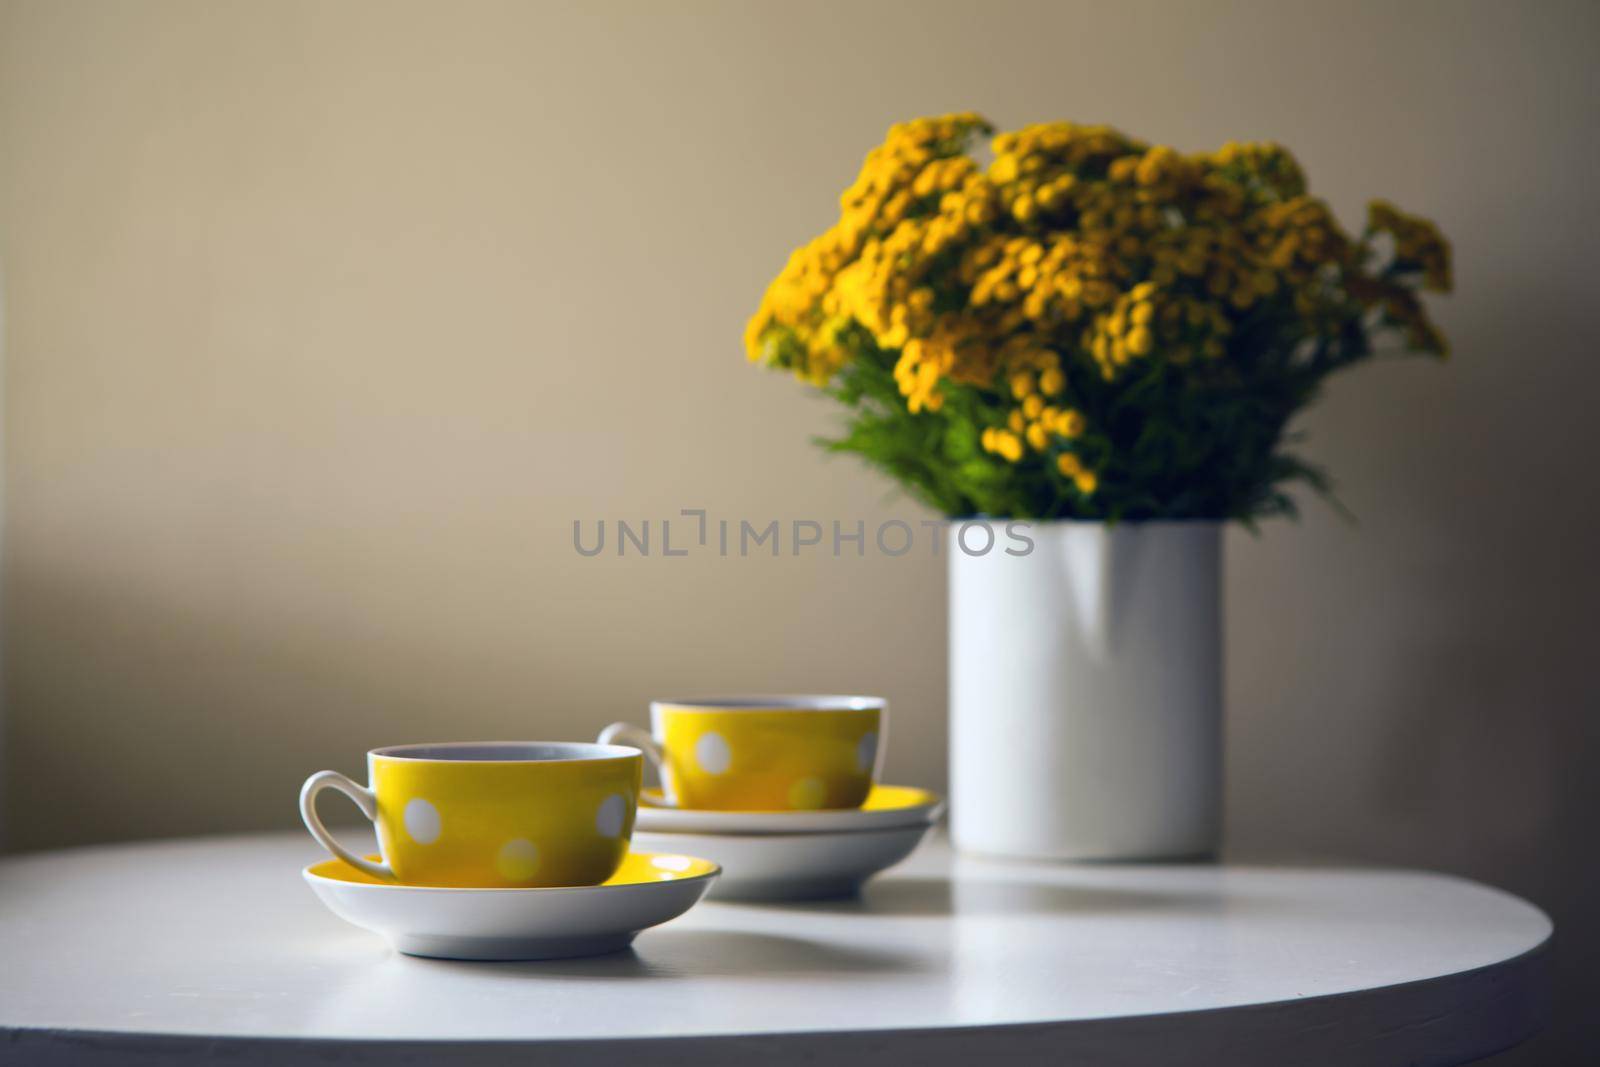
x: 494, y: 814
x: 781, y: 753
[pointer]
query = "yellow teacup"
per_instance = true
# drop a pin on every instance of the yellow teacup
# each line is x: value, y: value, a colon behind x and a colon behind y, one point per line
x: 762, y: 753
x: 494, y: 814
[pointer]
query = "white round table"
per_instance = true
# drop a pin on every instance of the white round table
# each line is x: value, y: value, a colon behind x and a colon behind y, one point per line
x: 214, y: 948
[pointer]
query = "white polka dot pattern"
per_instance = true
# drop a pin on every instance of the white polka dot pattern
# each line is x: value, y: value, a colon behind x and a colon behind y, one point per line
x: 712, y: 753
x: 867, y: 751
x: 422, y: 821
x: 608, y: 820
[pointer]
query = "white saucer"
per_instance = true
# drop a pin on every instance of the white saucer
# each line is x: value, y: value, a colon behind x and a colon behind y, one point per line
x: 886, y: 807
x: 517, y: 924
x: 774, y: 867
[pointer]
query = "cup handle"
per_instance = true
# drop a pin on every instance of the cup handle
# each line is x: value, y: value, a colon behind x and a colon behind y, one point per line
x: 625, y: 733
x: 364, y: 799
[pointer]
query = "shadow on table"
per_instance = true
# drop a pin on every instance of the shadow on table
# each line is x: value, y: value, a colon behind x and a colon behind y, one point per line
x: 704, y: 953
x: 940, y: 896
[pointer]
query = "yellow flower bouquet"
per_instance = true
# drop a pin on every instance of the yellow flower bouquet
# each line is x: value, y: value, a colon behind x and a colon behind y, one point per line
x: 1090, y: 327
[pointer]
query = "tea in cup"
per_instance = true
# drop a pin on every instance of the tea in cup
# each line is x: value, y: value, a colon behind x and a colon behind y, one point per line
x: 773, y: 753
x: 496, y: 814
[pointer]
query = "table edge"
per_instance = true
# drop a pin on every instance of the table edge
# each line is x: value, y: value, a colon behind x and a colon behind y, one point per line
x: 1445, y: 1019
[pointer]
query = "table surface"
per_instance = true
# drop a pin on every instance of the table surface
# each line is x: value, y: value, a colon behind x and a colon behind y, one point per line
x: 214, y: 947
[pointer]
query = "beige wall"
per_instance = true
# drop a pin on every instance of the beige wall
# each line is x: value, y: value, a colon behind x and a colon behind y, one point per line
x: 326, y: 320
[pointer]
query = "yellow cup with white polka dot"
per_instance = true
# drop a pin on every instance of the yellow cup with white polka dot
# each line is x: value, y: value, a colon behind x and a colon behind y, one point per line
x: 494, y: 814
x: 783, y: 753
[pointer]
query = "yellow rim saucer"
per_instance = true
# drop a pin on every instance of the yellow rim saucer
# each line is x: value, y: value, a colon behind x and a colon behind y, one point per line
x: 638, y: 868
x: 886, y: 807
x: 811, y: 866
x: 535, y: 923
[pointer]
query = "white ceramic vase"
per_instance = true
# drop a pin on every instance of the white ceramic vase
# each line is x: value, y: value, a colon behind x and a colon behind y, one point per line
x: 1086, y: 691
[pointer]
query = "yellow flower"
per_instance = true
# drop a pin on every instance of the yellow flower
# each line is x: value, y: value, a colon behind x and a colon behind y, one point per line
x: 1417, y: 244
x: 1079, y: 254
